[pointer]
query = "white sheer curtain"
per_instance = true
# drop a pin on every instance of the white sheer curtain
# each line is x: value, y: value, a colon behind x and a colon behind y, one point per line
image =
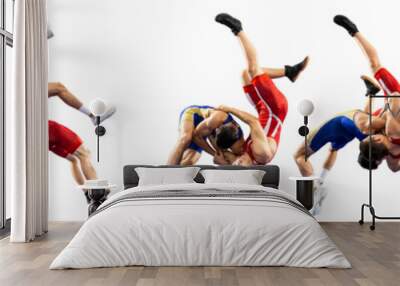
x: 29, y: 137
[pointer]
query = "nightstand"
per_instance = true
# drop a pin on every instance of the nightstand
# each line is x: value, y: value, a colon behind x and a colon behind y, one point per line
x: 304, y: 190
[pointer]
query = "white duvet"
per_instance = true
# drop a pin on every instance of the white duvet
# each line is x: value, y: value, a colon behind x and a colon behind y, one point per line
x: 207, y: 230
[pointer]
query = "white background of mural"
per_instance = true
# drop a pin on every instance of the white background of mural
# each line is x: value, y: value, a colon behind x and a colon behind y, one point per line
x: 152, y: 58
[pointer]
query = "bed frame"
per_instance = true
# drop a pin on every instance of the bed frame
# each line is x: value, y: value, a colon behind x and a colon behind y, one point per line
x: 271, y: 177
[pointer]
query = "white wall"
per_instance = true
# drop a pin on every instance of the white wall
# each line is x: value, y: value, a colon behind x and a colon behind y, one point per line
x: 152, y: 58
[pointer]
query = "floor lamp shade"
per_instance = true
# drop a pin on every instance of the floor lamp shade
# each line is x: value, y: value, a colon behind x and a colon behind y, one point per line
x: 98, y: 107
x: 305, y: 107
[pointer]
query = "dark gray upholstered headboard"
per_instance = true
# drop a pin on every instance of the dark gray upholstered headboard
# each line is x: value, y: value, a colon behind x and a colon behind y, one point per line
x: 271, y: 178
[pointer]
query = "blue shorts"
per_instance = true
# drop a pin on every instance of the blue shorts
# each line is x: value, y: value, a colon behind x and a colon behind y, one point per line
x: 338, y: 131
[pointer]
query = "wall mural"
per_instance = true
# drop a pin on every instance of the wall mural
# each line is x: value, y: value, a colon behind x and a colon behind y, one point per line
x: 218, y: 131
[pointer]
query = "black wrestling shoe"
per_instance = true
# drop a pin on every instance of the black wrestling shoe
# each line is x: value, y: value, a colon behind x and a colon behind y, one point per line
x: 293, y: 72
x: 232, y: 23
x: 346, y: 23
x: 372, y: 87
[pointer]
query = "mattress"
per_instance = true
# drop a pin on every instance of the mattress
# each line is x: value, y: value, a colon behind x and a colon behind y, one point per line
x: 201, y: 225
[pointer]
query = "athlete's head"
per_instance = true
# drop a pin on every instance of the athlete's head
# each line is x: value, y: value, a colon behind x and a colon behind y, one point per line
x: 378, y: 152
x: 228, y: 135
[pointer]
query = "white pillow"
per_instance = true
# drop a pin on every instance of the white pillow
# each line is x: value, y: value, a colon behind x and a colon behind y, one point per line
x: 247, y: 177
x: 166, y: 176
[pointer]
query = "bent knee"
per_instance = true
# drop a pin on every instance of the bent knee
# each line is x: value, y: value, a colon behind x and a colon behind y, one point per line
x: 246, y: 77
x: 82, y: 152
x: 72, y: 158
x: 299, y: 160
x: 253, y: 70
x: 375, y: 65
x: 60, y: 87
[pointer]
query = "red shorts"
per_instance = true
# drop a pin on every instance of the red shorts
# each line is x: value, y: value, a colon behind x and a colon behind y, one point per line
x: 270, y: 103
x: 378, y: 112
x: 62, y: 140
x: 271, y: 106
x: 389, y: 85
x: 387, y: 81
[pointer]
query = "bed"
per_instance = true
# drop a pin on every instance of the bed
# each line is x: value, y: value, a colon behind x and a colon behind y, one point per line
x: 198, y: 224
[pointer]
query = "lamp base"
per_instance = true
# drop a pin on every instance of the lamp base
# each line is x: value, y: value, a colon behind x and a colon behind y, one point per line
x: 303, y: 131
x: 100, y: 130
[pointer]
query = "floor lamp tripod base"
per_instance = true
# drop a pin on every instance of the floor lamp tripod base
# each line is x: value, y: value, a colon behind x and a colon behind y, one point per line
x: 372, y: 211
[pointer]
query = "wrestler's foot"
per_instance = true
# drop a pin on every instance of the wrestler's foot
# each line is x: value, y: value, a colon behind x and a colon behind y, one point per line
x: 346, y: 23
x: 372, y: 87
x: 110, y: 112
x: 232, y: 23
x: 293, y: 72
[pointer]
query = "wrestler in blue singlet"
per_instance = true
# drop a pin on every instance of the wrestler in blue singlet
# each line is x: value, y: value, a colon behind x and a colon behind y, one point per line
x: 338, y: 131
x: 196, y: 114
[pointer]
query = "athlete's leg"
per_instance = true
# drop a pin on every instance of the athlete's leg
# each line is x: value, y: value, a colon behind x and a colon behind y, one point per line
x: 291, y: 72
x: 274, y: 72
x: 58, y: 89
x: 253, y: 68
x: 185, y: 137
x: 271, y: 72
x: 330, y: 160
x: 317, y: 138
x: 88, y: 170
x: 251, y: 55
x: 75, y: 169
x: 370, y: 52
x: 365, y: 45
x: 305, y: 167
x: 190, y: 157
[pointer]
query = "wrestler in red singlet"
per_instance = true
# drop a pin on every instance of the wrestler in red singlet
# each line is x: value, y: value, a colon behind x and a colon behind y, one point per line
x: 62, y: 140
x: 271, y: 106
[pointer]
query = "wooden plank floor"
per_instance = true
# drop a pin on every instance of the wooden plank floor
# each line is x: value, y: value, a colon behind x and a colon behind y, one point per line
x: 375, y: 257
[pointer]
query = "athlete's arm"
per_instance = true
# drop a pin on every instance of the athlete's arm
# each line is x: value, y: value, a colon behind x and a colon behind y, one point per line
x: 382, y: 139
x: 205, y: 129
x: 262, y: 150
x: 362, y: 123
x: 225, y: 158
x: 260, y: 145
x: 246, y: 117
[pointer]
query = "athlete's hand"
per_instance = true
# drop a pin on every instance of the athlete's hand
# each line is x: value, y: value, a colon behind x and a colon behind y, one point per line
x: 219, y: 159
x: 380, y: 139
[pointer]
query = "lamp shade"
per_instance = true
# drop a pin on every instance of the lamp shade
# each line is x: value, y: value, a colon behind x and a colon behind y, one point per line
x: 305, y: 107
x: 97, y: 107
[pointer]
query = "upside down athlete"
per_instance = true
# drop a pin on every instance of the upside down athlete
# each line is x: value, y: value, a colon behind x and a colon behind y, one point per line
x: 390, y: 86
x: 67, y: 144
x: 271, y: 105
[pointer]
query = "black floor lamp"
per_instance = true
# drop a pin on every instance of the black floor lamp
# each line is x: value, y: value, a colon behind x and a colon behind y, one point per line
x: 305, y: 185
x: 98, y: 108
x: 305, y: 108
x: 370, y: 203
